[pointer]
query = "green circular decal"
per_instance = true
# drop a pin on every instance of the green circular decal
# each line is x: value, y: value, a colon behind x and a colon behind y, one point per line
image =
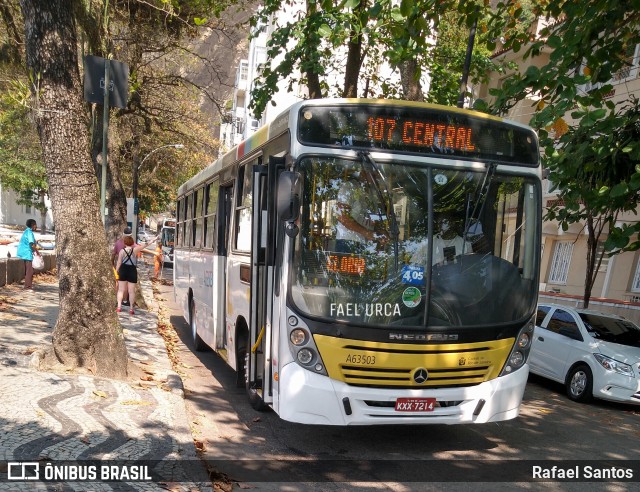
x: 411, y: 297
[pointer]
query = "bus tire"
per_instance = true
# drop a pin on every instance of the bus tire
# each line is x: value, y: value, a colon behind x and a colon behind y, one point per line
x: 256, y: 401
x: 198, y: 343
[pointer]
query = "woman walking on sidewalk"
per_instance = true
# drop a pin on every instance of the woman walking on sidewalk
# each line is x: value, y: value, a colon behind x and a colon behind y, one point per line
x: 27, y: 248
x: 128, y: 271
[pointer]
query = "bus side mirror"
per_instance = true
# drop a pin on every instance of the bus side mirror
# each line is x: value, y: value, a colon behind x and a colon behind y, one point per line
x: 288, y: 195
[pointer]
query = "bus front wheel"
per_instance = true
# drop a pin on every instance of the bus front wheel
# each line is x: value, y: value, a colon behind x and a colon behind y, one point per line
x: 255, y: 399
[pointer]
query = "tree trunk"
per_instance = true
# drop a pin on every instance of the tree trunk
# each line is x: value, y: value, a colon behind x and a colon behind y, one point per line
x: 354, y: 56
x: 410, y: 81
x: 591, y: 271
x: 43, y: 212
x: 311, y: 52
x: 87, y: 333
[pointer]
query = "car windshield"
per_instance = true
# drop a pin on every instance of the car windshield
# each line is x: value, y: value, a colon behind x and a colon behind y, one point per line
x: 363, y: 252
x: 612, y: 329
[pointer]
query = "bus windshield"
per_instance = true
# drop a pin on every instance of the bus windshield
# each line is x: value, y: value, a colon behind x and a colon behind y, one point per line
x: 374, y: 249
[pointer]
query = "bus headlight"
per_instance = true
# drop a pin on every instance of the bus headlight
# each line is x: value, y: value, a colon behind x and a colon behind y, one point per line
x: 298, y: 337
x: 517, y: 359
x: 524, y: 340
x: 305, y: 356
x: 520, y: 351
x: 302, y: 346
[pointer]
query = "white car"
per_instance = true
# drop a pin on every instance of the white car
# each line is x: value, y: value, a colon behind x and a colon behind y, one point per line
x: 593, y: 354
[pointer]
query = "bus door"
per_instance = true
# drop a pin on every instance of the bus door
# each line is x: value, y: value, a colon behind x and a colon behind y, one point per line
x: 225, y: 206
x: 258, y: 370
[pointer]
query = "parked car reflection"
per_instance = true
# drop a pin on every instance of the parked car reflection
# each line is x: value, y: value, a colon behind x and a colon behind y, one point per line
x: 593, y: 354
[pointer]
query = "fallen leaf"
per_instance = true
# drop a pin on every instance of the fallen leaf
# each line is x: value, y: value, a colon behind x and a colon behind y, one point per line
x: 257, y: 419
x: 199, y: 445
x: 101, y: 394
x: 135, y: 402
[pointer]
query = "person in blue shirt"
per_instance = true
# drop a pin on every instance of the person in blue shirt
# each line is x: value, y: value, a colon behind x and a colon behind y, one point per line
x: 27, y: 248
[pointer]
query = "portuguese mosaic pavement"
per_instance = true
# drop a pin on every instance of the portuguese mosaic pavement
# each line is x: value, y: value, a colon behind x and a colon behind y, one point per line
x: 48, y: 417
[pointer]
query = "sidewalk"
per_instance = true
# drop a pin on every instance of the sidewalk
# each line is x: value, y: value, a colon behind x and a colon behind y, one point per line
x: 88, y: 421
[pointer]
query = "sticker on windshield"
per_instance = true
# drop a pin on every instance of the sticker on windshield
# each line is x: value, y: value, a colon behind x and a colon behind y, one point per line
x: 412, y: 275
x: 411, y: 297
x: 440, y: 179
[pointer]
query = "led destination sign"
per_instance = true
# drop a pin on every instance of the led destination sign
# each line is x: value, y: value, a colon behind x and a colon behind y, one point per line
x: 428, y: 130
x: 422, y: 133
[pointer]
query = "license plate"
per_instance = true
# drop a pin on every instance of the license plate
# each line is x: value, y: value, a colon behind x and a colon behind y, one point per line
x: 415, y: 404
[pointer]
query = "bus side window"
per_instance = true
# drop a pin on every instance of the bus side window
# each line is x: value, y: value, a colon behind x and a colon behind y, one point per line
x: 198, y: 219
x: 244, y: 210
x: 211, y: 208
x: 179, y: 219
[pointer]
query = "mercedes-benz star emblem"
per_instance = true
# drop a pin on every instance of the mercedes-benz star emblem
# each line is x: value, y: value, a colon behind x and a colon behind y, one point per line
x: 420, y: 375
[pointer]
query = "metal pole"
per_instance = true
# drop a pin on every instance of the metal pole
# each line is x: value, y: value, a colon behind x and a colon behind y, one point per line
x: 134, y: 225
x: 105, y: 134
x: 467, y: 64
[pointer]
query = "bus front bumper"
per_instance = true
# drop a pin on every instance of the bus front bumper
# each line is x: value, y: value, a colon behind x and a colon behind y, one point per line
x: 310, y: 398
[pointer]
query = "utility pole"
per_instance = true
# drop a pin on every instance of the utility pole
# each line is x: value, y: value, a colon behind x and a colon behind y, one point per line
x: 467, y: 63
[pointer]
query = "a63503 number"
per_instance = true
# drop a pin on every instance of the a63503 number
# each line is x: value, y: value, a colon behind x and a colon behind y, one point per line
x: 361, y: 359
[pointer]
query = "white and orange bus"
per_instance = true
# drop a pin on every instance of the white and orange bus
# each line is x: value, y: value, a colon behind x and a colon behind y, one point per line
x: 367, y: 262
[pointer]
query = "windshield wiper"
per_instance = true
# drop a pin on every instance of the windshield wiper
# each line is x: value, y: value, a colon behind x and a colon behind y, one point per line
x: 394, y: 230
x: 481, y: 192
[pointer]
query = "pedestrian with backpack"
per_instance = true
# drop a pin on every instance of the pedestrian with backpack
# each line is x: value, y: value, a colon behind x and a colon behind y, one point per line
x: 127, y: 270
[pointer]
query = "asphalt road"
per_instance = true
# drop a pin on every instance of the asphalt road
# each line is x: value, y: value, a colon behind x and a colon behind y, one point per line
x: 551, y: 430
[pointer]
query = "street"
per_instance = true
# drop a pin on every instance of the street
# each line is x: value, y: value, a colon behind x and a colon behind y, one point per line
x: 550, y: 427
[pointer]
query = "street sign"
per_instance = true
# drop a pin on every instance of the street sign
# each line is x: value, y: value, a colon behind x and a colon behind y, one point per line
x: 94, y: 81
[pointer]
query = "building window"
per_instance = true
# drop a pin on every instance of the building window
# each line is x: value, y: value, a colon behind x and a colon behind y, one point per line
x: 630, y: 69
x: 635, y: 286
x: 604, y: 266
x: 561, y: 261
x: 244, y: 70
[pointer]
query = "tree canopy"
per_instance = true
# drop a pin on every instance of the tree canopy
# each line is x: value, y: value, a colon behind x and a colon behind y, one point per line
x: 590, y: 142
x: 347, y: 48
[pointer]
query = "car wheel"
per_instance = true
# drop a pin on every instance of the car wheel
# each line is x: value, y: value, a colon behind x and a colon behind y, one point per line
x: 579, y: 383
x: 198, y: 343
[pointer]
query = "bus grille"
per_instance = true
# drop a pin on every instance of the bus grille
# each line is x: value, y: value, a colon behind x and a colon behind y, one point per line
x: 402, y: 378
x: 412, y: 366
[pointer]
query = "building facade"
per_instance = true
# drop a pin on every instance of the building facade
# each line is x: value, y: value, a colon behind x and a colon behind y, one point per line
x: 563, y: 266
x: 12, y: 213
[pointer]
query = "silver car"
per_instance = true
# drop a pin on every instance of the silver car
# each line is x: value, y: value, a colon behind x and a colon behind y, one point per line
x: 593, y: 354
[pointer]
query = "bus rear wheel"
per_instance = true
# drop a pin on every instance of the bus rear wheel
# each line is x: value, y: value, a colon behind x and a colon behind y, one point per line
x: 198, y: 343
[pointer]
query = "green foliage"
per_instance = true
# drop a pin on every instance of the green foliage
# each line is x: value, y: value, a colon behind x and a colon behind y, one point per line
x: 316, y: 43
x: 22, y: 169
x: 597, y: 169
x: 591, y: 144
